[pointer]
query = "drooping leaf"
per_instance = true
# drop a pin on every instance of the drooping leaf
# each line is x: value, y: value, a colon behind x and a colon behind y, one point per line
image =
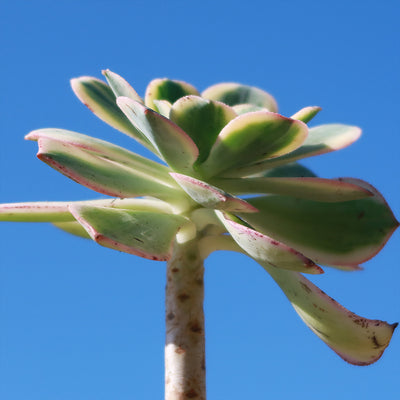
x: 120, y: 86
x: 172, y: 143
x: 146, y: 234
x: 251, y: 137
x: 320, y: 140
x: 344, y: 233
x: 306, y: 114
x: 101, y: 100
x: 202, y: 120
x: 357, y: 340
x: 210, y: 196
x: 167, y: 89
x: 265, y: 249
x: 102, y: 172
x: 234, y: 93
x: 317, y: 189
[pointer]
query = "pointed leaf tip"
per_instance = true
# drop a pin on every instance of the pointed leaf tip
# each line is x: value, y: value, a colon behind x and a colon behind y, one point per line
x: 172, y: 143
x: 101, y: 100
x: 120, y: 86
x: 359, y: 341
x: 266, y: 249
x: 252, y: 137
x: 210, y: 196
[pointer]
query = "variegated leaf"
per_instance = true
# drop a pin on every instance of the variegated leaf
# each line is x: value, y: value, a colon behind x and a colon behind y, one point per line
x: 357, y: 340
x: 202, y: 120
x: 342, y: 233
x: 146, y: 234
x: 167, y: 89
x: 234, y: 94
x: 210, y: 196
x: 101, y: 100
x: 172, y: 143
x: 265, y: 249
x: 317, y: 189
x: 320, y: 140
x: 251, y: 137
x: 101, y: 172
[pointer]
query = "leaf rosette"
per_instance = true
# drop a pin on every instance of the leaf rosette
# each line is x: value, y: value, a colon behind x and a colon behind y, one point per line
x: 228, y: 175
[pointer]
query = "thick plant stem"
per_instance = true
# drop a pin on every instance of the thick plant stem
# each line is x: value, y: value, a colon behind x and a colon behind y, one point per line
x: 185, y: 342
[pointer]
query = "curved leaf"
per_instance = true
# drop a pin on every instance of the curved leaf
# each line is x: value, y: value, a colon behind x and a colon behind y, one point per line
x: 251, y: 137
x: 163, y: 107
x: 101, y: 100
x: 292, y: 170
x: 172, y: 143
x: 146, y: 234
x: 101, y: 173
x: 234, y: 93
x: 167, y: 89
x: 107, y: 151
x: 346, y: 233
x: 120, y: 86
x: 210, y: 196
x: 317, y: 189
x: 265, y: 249
x: 202, y: 120
x: 306, y: 114
x: 357, y: 340
x: 320, y: 140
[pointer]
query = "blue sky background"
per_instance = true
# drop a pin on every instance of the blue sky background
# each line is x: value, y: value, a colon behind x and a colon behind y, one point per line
x: 83, y: 322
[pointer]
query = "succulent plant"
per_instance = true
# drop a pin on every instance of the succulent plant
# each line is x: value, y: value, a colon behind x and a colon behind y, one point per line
x: 214, y: 147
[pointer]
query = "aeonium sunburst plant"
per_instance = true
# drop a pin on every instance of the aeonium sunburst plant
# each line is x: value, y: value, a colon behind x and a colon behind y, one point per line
x: 228, y: 178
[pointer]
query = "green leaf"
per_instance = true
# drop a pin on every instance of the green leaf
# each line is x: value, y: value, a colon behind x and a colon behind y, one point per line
x: 246, y: 108
x: 73, y: 228
x: 202, y: 120
x: 265, y: 249
x: 321, y: 139
x: 317, y: 189
x: 103, y: 167
x: 163, y: 107
x: 58, y: 211
x: 346, y: 233
x: 106, y: 150
x: 146, y: 234
x: 211, y: 197
x: 234, y: 93
x: 357, y: 340
x: 120, y: 86
x: 40, y: 211
x: 101, y: 100
x: 167, y: 89
x: 252, y: 137
x: 306, y: 114
x: 292, y: 170
x: 173, y: 144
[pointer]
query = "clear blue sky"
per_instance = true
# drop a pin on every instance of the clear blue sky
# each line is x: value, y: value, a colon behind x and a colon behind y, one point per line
x: 83, y: 322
